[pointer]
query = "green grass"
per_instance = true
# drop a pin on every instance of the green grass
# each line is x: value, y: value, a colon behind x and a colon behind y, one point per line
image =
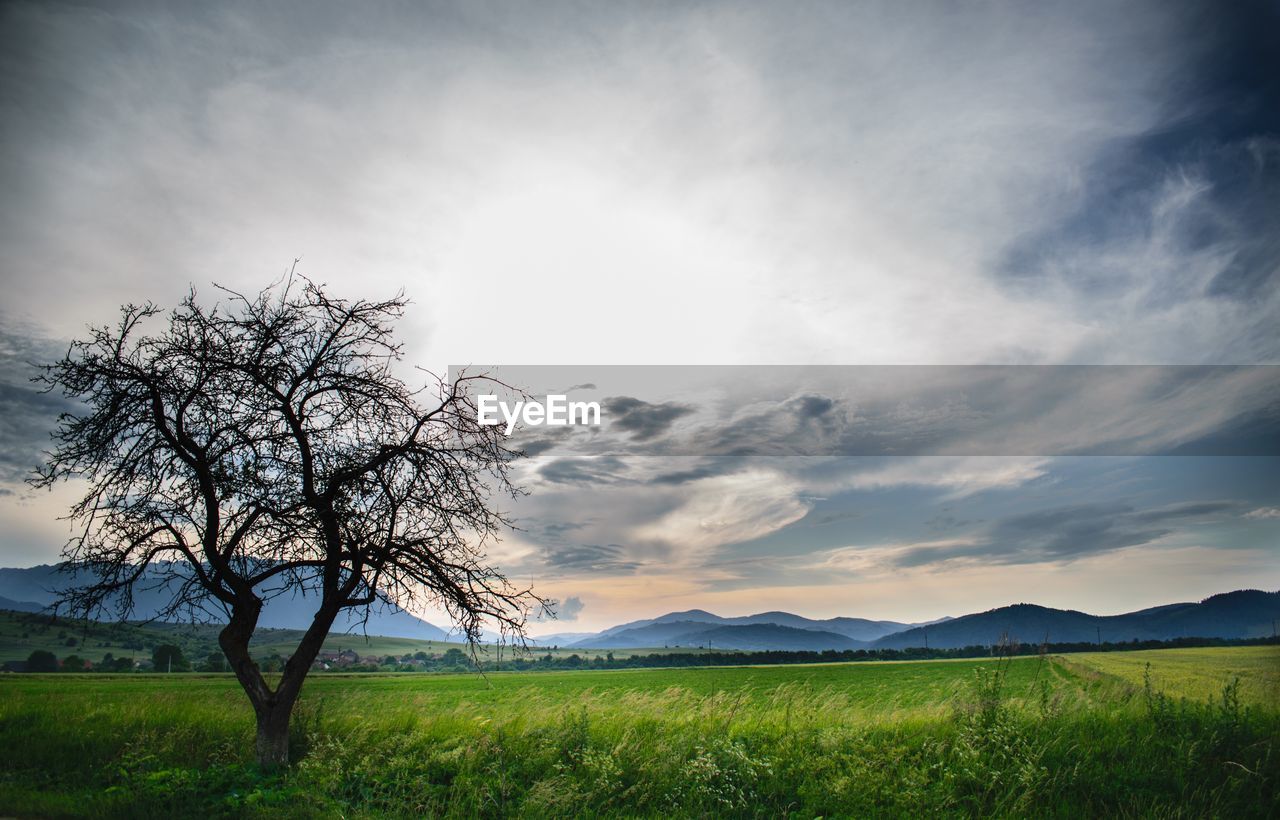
x: 1070, y: 736
x: 1194, y: 673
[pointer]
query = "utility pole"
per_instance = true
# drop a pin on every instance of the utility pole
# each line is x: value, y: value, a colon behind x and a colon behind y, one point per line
x: 1099, y: 629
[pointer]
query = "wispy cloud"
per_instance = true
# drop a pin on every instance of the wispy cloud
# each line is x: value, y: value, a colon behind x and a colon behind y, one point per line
x: 27, y: 413
x: 1053, y: 535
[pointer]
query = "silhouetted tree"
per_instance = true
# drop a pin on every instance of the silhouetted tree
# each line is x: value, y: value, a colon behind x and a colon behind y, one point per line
x: 263, y: 446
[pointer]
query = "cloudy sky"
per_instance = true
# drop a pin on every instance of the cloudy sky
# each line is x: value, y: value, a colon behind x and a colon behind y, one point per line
x: 701, y: 183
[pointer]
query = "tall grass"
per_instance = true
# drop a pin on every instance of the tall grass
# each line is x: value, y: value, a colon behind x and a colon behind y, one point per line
x: 1020, y: 738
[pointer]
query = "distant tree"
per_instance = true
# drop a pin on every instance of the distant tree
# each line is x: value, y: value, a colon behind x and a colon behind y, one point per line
x: 70, y: 642
x: 169, y: 658
x: 454, y: 657
x: 73, y: 663
x: 116, y: 664
x: 42, y: 661
x: 215, y: 662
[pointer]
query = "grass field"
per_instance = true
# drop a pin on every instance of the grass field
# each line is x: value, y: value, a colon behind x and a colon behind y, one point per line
x: 1064, y: 736
x: 1193, y: 673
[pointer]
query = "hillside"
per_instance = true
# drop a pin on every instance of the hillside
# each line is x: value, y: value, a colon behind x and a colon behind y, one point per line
x: 653, y: 634
x: 678, y: 628
x: 1241, y: 614
x: 771, y: 636
x: 724, y: 636
x: 31, y: 589
x: 21, y: 633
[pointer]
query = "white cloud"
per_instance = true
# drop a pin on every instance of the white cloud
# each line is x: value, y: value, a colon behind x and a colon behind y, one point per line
x: 727, y: 509
x: 958, y: 476
x: 877, y: 559
x: 832, y: 188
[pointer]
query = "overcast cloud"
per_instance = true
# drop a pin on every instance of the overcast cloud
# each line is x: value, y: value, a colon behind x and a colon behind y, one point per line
x: 719, y: 183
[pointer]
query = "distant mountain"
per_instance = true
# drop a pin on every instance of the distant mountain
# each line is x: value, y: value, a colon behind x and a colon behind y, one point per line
x: 771, y: 636
x: 559, y: 638
x: 859, y: 629
x: 723, y: 636
x: 1242, y: 614
x: 652, y: 633
x: 674, y: 628
x: 40, y: 586
x: 695, y: 615
x: 20, y: 606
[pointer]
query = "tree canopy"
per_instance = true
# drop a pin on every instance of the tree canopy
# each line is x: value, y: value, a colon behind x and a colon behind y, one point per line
x: 266, y: 445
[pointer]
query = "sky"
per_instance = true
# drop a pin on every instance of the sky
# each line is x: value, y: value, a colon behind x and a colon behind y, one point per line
x: 701, y: 184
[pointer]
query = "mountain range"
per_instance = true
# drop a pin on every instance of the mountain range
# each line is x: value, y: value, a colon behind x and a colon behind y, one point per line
x: 765, y: 630
x: 32, y: 589
x: 1246, y: 613
x: 1240, y: 614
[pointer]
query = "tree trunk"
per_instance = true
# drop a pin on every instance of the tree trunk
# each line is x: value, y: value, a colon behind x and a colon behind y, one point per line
x: 273, y: 708
x: 272, y: 746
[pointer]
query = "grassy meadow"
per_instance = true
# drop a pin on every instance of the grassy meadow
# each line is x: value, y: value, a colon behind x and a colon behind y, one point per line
x: 1162, y: 733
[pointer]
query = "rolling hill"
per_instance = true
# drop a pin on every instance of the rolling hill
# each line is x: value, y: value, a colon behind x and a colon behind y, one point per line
x: 1241, y: 614
x: 31, y: 589
x: 685, y: 628
x: 720, y: 636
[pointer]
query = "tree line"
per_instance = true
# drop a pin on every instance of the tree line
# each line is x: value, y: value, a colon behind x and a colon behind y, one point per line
x: 170, y: 658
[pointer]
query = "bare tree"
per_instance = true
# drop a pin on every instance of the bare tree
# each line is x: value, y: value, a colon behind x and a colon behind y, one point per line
x: 263, y: 446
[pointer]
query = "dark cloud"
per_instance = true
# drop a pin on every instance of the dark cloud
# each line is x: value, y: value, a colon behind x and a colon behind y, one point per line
x: 709, y: 469
x: 808, y: 423
x: 577, y: 558
x: 585, y: 470
x: 27, y: 415
x: 1064, y: 534
x: 944, y: 410
x: 830, y: 518
x: 1190, y: 509
x: 538, y: 446
x: 1071, y: 532
x: 1205, y: 181
x: 569, y: 609
x: 812, y: 407
x: 644, y: 421
x: 573, y: 387
x: 557, y: 529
